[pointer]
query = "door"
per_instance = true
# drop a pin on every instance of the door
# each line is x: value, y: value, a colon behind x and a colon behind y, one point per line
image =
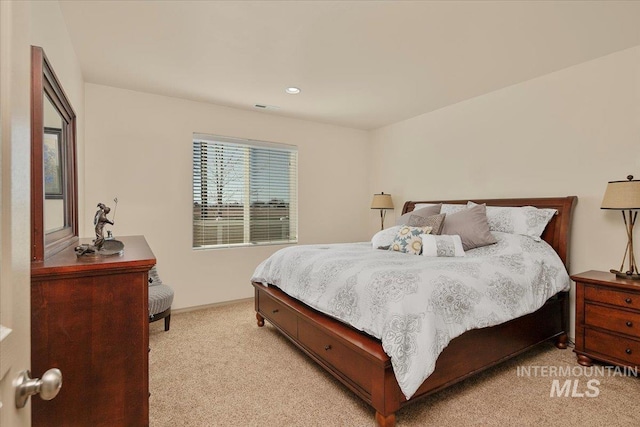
x: 14, y: 207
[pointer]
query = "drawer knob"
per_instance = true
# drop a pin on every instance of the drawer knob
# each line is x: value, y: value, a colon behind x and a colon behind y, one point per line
x: 629, y: 324
x: 327, y: 347
x: 628, y: 351
x: 627, y: 300
x: 275, y: 311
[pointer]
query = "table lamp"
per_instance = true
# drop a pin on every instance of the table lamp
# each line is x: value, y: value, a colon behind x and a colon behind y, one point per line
x: 383, y: 202
x: 625, y: 196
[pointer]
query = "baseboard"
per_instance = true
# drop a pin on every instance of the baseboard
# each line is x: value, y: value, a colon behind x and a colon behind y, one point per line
x: 205, y: 306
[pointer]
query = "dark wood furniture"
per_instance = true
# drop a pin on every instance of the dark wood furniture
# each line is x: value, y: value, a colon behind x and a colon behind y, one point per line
x: 359, y: 362
x: 90, y: 319
x: 607, y: 319
x: 47, y: 95
x: 166, y: 315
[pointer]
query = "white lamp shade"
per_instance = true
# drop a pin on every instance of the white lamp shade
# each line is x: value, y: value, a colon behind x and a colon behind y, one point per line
x: 382, y: 201
x: 622, y: 195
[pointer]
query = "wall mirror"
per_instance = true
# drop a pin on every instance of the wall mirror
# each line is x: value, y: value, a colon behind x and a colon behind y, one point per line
x: 54, y: 193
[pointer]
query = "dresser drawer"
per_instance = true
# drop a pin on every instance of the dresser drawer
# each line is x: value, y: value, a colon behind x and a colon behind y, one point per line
x: 335, y: 353
x: 614, y: 297
x: 278, y: 314
x: 624, y: 349
x: 623, y: 321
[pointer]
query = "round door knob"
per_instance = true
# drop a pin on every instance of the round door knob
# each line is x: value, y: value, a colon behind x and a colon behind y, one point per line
x: 50, y: 384
x: 48, y: 387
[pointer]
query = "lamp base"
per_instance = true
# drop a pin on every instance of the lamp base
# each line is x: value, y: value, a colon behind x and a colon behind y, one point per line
x: 627, y: 276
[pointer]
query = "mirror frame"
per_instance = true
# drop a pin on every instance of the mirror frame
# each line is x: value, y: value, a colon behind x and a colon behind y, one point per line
x: 45, y: 83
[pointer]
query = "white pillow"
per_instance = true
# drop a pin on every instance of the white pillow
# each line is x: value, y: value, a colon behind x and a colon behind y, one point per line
x: 526, y: 220
x: 433, y: 245
x: 448, y: 208
x: 384, y: 237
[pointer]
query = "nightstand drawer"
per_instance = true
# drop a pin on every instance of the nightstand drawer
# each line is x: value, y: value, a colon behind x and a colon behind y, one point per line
x: 609, y: 296
x: 625, y: 322
x: 624, y: 349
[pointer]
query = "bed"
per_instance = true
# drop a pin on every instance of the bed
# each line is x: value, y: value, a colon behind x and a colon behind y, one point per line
x: 358, y: 360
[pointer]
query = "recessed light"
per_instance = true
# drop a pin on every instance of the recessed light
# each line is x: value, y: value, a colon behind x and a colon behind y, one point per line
x: 292, y: 90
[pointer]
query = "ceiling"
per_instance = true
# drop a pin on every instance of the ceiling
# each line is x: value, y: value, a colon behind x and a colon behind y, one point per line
x: 360, y: 64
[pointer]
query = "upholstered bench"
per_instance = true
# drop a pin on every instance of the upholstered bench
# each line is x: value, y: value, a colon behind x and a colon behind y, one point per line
x: 160, y: 299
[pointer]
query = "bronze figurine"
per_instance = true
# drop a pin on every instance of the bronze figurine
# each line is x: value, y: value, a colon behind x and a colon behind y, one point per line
x: 99, y: 220
x: 115, y: 247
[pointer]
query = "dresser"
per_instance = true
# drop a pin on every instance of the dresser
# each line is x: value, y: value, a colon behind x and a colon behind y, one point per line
x: 89, y: 318
x: 607, y: 319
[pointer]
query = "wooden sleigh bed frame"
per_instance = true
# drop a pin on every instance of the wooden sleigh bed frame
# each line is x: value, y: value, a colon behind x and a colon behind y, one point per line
x: 359, y: 362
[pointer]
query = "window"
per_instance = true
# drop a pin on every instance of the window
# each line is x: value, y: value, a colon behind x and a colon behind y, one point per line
x: 245, y: 192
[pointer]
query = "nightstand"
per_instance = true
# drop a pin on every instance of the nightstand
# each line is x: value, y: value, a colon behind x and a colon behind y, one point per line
x: 607, y: 319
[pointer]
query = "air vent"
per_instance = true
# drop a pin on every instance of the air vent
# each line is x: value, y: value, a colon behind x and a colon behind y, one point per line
x: 266, y: 107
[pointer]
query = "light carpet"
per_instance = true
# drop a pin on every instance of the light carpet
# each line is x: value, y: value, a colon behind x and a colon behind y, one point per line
x: 216, y: 367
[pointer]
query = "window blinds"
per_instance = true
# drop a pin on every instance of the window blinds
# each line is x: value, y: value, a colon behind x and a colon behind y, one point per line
x: 244, y: 192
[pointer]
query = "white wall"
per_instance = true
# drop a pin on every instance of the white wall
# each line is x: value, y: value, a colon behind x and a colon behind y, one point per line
x: 566, y: 133
x: 49, y: 31
x: 139, y: 148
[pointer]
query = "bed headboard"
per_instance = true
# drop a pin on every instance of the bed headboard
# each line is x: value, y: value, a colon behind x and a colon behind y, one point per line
x: 558, y: 231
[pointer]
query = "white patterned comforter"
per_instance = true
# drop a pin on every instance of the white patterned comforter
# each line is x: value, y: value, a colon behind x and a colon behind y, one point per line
x: 414, y: 304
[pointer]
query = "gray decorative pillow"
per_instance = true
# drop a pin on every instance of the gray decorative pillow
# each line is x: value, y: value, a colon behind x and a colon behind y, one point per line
x: 447, y: 208
x: 423, y: 212
x: 408, y: 239
x: 436, y: 222
x: 471, y: 225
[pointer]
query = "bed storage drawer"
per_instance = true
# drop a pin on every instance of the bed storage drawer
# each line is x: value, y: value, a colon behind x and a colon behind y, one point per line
x: 278, y: 314
x: 337, y: 354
